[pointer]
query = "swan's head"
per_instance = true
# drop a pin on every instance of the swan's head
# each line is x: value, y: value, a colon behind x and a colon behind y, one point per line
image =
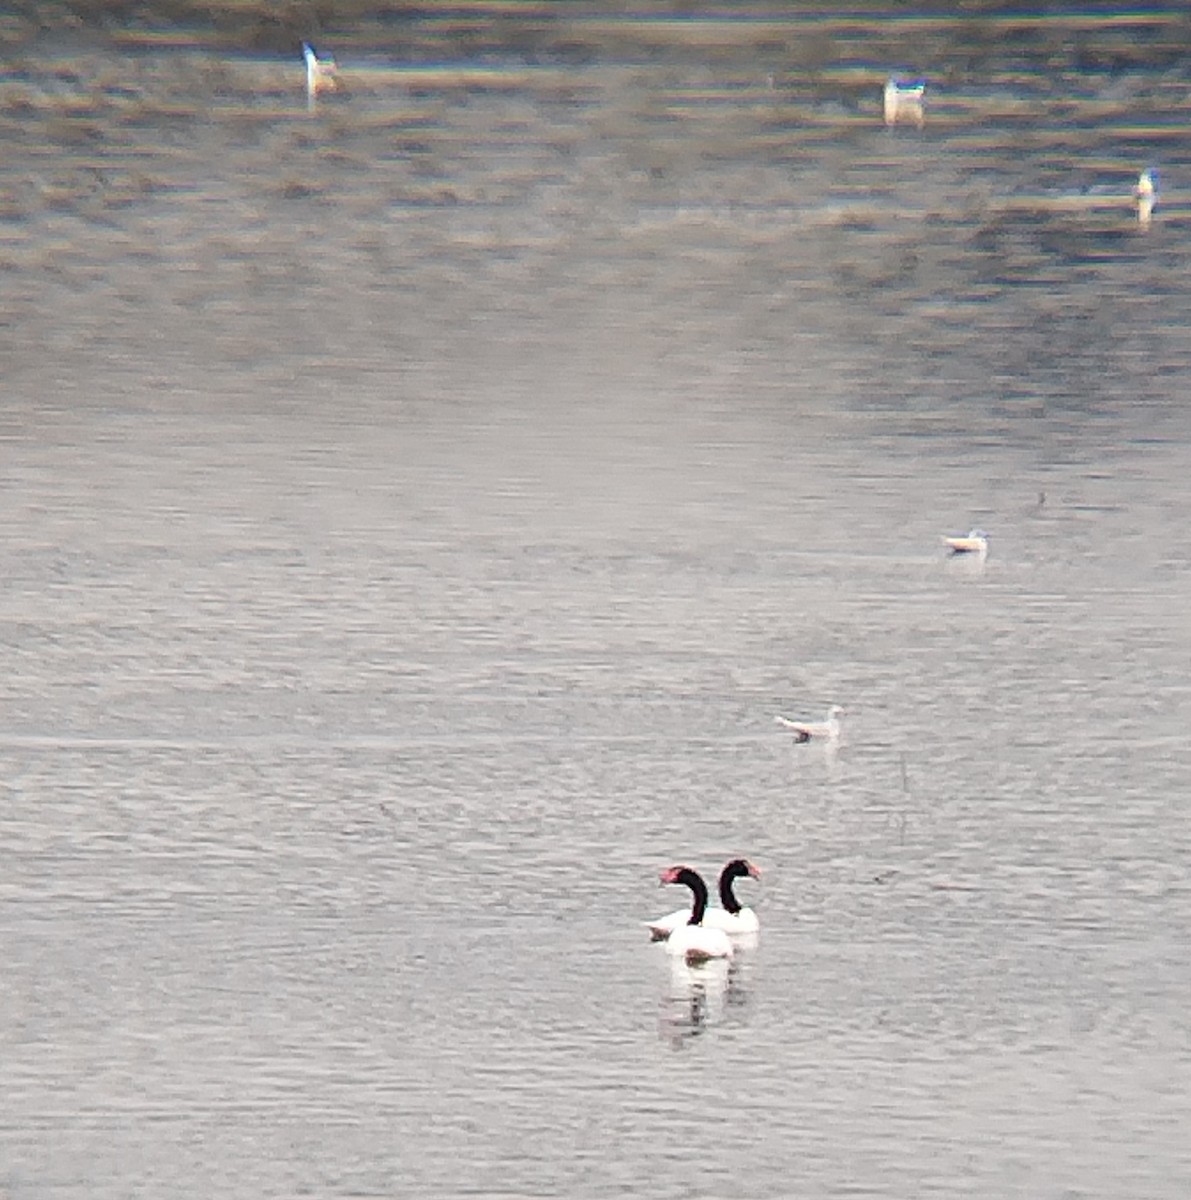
x: 694, y: 881
x: 979, y: 533
x: 1147, y: 183
x: 835, y: 711
x: 741, y: 866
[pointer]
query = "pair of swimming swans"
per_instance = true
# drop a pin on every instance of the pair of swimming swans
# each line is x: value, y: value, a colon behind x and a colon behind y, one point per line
x: 699, y: 934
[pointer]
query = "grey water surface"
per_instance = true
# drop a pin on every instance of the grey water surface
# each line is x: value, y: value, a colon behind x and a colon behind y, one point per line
x: 415, y: 513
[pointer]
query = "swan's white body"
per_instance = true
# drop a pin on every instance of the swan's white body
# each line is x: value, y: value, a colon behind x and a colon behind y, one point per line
x: 975, y: 542
x: 663, y: 927
x: 320, y: 72
x: 698, y: 944
x: 827, y: 730
x: 903, y: 101
x: 736, y: 924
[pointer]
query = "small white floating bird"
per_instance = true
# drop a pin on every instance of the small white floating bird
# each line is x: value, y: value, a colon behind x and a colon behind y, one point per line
x: 805, y: 730
x: 903, y: 101
x: 693, y: 942
x: 1145, y: 192
x: 975, y: 542
x: 732, y: 918
x: 320, y: 72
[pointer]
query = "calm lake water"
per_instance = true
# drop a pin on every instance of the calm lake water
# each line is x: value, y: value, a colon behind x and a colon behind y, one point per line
x: 416, y: 512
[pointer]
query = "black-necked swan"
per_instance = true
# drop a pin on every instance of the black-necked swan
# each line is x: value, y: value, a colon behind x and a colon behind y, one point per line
x: 693, y: 941
x: 731, y: 918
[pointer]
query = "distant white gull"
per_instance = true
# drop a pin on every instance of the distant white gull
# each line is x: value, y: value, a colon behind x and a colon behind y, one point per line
x: 1145, y: 192
x: 903, y: 101
x: 975, y: 542
x: 805, y: 730
x: 320, y: 72
x: 1142, y: 197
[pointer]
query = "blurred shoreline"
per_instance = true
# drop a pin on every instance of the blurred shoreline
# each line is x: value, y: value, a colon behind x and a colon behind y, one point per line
x: 948, y: 40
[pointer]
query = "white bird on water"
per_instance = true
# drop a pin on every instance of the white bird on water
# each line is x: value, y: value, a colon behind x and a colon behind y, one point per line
x: 975, y: 542
x: 1145, y: 192
x: 320, y: 73
x: 903, y: 101
x: 804, y: 731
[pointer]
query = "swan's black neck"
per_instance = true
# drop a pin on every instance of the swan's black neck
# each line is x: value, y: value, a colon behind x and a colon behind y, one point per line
x: 728, y: 877
x: 694, y: 881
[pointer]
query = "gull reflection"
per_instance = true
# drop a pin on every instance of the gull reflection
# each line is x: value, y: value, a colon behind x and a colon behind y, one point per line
x: 965, y: 565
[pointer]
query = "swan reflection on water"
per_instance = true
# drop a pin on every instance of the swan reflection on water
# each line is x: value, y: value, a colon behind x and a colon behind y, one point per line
x: 696, y: 998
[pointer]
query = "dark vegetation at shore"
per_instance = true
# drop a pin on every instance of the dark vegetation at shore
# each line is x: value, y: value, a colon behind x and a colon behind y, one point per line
x: 1062, y: 36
